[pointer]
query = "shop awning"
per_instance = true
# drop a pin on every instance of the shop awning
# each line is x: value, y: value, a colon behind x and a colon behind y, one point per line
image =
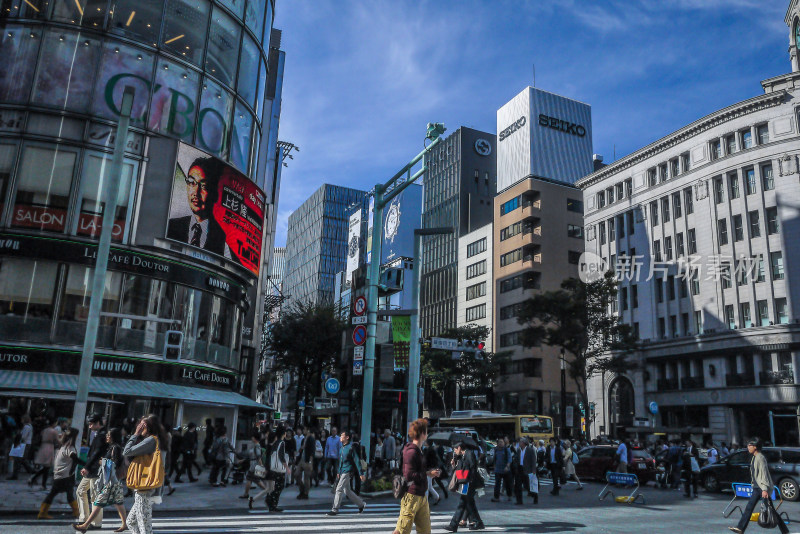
x: 49, y: 395
x: 49, y: 382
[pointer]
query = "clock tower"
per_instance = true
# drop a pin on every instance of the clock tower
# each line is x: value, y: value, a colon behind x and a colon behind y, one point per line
x: 793, y: 21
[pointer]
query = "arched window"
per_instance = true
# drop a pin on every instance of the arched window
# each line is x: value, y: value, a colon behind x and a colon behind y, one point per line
x: 621, y: 405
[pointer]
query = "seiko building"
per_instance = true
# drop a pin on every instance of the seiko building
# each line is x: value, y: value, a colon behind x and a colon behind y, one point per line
x: 189, y: 239
x: 708, y: 217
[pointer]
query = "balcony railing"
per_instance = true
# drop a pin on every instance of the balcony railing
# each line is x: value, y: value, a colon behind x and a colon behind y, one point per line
x: 693, y: 382
x: 740, y: 380
x: 771, y: 378
x: 666, y: 384
x: 535, y: 258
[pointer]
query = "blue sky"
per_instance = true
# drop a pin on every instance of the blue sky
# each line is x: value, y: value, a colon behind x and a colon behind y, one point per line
x: 363, y: 77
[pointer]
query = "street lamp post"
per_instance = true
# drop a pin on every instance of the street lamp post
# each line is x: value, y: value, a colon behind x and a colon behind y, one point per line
x: 383, y: 194
x: 101, y: 265
x: 563, y: 394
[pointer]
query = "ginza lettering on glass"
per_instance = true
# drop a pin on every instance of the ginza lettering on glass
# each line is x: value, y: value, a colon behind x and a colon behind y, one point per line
x: 181, y: 107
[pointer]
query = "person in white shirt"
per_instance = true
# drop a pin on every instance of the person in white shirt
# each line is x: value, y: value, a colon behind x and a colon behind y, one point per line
x: 713, y: 455
x: 622, y: 457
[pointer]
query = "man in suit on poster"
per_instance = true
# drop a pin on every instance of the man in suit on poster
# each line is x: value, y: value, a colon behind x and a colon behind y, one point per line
x: 200, y: 229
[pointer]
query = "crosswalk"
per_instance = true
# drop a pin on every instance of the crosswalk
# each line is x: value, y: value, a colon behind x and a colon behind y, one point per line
x: 376, y: 518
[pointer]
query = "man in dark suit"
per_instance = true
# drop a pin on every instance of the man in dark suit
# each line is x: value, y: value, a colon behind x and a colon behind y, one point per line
x: 200, y: 229
x: 524, y: 464
x: 554, y: 456
x: 96, y: 437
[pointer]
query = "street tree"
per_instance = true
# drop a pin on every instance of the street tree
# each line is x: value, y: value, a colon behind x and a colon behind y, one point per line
x: 305, y: 341
x: 577, y: 319
x: 471, y: 372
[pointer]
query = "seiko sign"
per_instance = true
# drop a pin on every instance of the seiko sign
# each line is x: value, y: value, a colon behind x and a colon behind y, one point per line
x: 562, y: 125
x: 519, y: 123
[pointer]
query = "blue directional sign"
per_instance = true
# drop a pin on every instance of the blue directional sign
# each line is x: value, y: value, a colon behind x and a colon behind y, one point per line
x: 332, y: 386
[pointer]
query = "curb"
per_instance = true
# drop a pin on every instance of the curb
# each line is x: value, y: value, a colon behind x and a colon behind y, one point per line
x: 373, y: 494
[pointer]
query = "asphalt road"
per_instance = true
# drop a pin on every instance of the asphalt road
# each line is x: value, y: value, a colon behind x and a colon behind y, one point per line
x: 664, y: 511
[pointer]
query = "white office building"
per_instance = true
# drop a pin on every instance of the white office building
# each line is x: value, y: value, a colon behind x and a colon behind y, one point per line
x: 475, y: 283
x: 711, y: 216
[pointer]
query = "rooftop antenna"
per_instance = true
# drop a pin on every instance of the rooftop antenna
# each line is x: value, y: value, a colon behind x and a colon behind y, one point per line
x: 534, y: 74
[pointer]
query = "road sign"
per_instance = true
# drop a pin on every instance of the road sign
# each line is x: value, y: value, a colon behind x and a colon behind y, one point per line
x: 301, y: 404
x: 360, y: 319
x: 358, y: 368
x: 360, y: 306
x: 332, y: 386
x: 444, y: 343
x: 358, y: 355
x: 653, y: 407
x: 360, y: 334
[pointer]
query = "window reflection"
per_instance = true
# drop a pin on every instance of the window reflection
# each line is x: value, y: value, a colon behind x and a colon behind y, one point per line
x: 185, y: 26
x: 223, y: 47
x: 220, y: 335
x: 254, y: 17
x: 214, y: 118
x: 45, y: 177
x: 29, y: 9
x: 8, y: 154
x: 173, y: 108
x: 74, y: 310
x: 91, y: 13
x: 236, y: 6
x: 242, y: 137
x: 248, y: 71
x: 123, y: 66
x: 27, y: 290
x: 262, y: 87
x: 18, y: 50
x: 66, y: 70
x: 95, y: 178
x: 137, y: 19
x: 145, y: 297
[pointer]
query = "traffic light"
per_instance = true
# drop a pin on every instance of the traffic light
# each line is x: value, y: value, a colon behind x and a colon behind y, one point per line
x: 475, y: 346
x: 173, y: 344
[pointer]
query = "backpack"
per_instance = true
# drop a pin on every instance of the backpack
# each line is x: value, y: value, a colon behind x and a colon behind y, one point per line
x: 399, y: 483
x: 575, y: 459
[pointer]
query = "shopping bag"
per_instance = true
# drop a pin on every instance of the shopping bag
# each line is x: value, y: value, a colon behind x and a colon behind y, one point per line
x: 18, y: 451
x: 768, y: 517
x: 533, y: 483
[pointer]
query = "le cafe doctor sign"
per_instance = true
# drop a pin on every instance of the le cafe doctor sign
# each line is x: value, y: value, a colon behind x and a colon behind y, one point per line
x: 546, y: 122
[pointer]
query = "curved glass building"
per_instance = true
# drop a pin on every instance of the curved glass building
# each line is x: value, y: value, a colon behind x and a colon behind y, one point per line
x: 190, y: 235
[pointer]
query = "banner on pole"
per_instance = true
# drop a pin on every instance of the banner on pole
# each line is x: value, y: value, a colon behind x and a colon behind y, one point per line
x: 401, y: 339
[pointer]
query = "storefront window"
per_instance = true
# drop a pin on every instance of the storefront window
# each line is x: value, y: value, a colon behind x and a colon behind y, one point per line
x: 27, y: 9
x: 193, y: 309
x: 94, y: 181
x: 123, y: 66
x: 45, y: 177
x: 27, y: 291
x: 74, y: 312
x: 254, y: 156
x: 91, y: 13
x: 18, y: 49
x: 262, y: 87
x: 255, y: 16
x: 185, y: 26
x: 7, y: 155
x: 236, y: 6
x: 219, y: 349
x: 66, y: 70
x: 136, y: 19
x: 242, y: 137
x: 173, y: 108
x: 223, y: 48
x: 248, y: 71
x: 145, y: 297
x: 214, y: 118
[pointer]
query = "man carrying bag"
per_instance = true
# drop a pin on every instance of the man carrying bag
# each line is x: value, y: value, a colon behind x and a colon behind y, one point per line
x: 762, y: 487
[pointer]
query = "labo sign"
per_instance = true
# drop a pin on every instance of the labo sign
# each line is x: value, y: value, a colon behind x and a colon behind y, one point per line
x: 562, y: 125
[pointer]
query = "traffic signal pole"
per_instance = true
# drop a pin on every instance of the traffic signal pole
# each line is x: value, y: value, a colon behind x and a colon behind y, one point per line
x: 101, y: 264
x: 382, y: 195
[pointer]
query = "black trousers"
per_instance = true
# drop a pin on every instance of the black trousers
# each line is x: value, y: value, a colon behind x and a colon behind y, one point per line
x: 67, y: 485
x: 273, y: 498
x: 755, y: 498
x: 466, y: 510
x: 216, y: 467
x: 506, y: 479
x: 555, y: 471
x: 520, y: 484
x: 189, y: 461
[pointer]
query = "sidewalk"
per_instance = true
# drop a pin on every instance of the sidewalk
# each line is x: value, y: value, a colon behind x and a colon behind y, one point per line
x: 19, y: 498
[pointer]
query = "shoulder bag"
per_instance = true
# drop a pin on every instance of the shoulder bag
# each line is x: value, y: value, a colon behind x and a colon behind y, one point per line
x: 146, y: 472
x: 399, y: 483
x: 768, y: 516
x: 276, y: 464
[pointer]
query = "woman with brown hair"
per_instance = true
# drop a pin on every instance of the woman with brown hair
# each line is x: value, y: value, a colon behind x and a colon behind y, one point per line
x: 414, y: 508
x: 66, y: 459
x: 111, y: 474
x: 145, y: 441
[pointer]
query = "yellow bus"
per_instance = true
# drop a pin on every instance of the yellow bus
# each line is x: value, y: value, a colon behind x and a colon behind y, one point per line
x: 492, y: 426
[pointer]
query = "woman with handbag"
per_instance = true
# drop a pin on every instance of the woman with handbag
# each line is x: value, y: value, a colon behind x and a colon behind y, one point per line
x: 465, y: 482
x: 256, y: 473
x: 46, y: 453
x: 109, y: 484
x: 761, y: 479
x: 278, y: 464
x: 691, y: 469
x: 220, y: 452
x: 569, y: 463
x: 66, y: 459
x: 145, y: 472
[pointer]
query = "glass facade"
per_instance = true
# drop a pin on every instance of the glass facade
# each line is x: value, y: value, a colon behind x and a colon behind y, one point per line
x: 199, y: 72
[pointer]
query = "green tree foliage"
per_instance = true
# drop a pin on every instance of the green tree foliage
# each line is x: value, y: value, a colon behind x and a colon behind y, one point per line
x: 306, y: 341
x: 576, y: 318
x: 470, y: 372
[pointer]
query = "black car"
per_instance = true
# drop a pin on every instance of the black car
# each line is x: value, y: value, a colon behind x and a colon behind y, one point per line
x: 784, y: 466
